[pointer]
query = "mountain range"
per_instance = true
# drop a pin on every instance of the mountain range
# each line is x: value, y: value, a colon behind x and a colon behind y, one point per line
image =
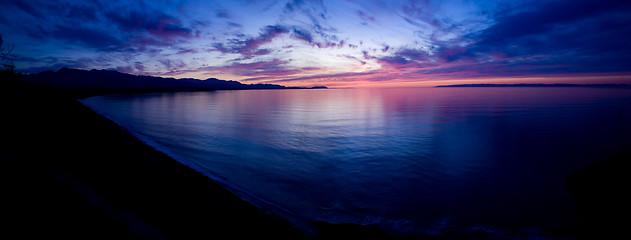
x: 105, y: 81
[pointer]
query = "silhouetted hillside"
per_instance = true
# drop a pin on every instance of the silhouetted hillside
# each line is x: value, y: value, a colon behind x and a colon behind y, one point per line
x: 95, y: 82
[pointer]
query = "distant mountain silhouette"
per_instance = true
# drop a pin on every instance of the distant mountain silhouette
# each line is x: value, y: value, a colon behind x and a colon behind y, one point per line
x: 539, y: 85
x: 104, y: 81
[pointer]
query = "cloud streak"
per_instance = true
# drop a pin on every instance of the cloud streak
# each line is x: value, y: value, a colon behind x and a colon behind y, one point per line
x: 309, y: 42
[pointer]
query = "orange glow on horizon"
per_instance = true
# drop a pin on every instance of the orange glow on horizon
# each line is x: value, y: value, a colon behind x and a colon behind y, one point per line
x: 392, y: 78
x: 341, y: 83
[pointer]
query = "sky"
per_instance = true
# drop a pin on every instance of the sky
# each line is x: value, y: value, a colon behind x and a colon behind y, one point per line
x: 352, y: 43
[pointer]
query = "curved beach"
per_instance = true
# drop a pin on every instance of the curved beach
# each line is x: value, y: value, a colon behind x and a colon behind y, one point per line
x: 70, y: 172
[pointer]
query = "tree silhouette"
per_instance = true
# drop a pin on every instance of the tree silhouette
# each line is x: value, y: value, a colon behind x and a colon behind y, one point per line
x: 7, y: 68
x: 6, y: 52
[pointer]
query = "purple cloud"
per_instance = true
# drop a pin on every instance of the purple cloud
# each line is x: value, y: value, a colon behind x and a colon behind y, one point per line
x: 89, y: 37
x: 28, y: 8
x: 405, y: 58
x: 336, y: 76
x: 275, y: 67
x: 155, y: 23
x: 365, y: 17
x: 402, y: 39
x: 250, y: 47
x: 581, y: 35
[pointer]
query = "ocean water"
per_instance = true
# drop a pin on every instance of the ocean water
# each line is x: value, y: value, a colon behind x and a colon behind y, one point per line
x: 420, y: 161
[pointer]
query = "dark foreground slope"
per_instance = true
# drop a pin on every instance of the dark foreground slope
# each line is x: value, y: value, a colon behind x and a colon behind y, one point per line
x: 68, y: 172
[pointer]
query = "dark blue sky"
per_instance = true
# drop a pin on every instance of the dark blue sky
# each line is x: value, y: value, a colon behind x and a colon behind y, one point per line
x: 334, y: 43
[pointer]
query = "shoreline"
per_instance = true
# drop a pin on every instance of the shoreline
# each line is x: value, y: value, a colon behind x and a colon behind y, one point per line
x: 59, y: 148
x: 265, y: 206
x: 82, y: 172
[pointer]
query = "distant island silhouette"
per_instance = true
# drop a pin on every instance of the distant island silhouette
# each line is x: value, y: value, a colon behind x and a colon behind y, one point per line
x: 539, y: 85
x: 97, y: 82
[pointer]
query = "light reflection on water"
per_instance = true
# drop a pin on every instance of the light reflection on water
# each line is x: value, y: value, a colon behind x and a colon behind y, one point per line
x: 407, y: 157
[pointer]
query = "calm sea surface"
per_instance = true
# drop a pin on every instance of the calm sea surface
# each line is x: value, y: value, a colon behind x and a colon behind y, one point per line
x: 415, y: 160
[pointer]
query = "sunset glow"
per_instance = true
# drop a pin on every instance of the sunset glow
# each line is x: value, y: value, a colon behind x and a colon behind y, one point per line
x: 332, y: 43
